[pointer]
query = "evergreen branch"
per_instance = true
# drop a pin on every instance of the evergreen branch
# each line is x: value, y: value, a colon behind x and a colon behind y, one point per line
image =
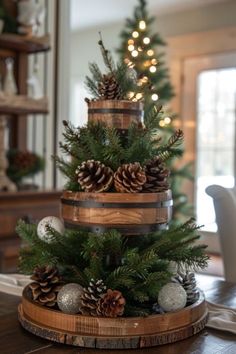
x: 106, y: 56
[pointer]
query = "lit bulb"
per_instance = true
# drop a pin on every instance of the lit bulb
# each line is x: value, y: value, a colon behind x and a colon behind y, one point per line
x: 162, y: 123
x: 153, y: 69
x: 167, y: 120
x: 150, y: 52
x: 126, y: 60
x: 142, y: 25
x: 135, y: 34
x: 154, y: 97
x: 140, y: 49
x: 131, y: 47
x: 146, y: 40
x: 147, y: 63
x: 145, y: 79
x: 154, y: 62
x: 130, y: 41
x: 139, y: 96
x: 134, y: 53
x: 131, y: 94
x: 131, y: 64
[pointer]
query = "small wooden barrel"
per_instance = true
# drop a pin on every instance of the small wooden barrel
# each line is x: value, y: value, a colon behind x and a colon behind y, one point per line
x: 112, y: 333
x: 131, y: 214
x: 118, y: 114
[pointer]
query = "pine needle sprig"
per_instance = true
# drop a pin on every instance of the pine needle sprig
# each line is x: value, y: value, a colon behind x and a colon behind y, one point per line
x: 108, y: 60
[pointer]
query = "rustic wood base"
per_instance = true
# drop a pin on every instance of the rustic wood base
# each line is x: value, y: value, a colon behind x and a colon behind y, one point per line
x: 108, y: 333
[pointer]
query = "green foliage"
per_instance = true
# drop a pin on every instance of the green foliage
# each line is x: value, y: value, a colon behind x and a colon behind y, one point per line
x: 99, y: 142
x: 138, y: 268
x: 159, y: 83
x: 23, y: 164
x: 119, y: 71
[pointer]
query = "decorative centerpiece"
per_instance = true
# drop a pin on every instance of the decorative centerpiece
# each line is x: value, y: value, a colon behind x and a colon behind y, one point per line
x: 112, y: 274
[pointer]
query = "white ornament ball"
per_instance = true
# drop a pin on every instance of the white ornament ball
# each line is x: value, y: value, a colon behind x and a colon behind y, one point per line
x: 54, y: 223
x: 172, y: 297
x: 69, y: 298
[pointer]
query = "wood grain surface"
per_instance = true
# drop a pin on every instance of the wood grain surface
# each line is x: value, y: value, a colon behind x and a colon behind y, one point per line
x: 15, y: 340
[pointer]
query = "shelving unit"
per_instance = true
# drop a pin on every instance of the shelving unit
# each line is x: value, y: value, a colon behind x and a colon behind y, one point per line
x: 30, y: 205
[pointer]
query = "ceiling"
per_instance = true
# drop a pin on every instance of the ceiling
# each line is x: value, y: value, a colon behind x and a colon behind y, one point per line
x: 91, y: 13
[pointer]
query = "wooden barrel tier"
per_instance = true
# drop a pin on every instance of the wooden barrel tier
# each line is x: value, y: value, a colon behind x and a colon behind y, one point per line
x: 131, y: 214
x: 112, y: 333
x: 115, y: 113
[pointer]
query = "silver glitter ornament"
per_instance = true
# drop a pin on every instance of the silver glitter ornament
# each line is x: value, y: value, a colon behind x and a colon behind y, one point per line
x: 172, y: 297
x: 69, y: 298
x: 54, y: 223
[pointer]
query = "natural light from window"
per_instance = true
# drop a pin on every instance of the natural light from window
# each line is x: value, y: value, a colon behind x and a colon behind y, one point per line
x: 216, y: 109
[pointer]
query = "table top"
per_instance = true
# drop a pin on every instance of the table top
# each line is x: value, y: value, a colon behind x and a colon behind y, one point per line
x: 15, y: 340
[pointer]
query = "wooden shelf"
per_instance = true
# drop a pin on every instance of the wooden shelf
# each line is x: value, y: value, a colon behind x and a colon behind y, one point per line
x: 21, y: 104
x: 28, y: 45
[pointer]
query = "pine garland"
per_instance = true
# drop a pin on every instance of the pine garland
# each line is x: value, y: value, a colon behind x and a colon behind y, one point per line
x: 138, y: 271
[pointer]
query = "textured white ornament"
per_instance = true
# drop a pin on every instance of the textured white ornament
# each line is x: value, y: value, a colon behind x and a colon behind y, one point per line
x: 69, y: 298
x: 172, y: 297
x: 54, y: 223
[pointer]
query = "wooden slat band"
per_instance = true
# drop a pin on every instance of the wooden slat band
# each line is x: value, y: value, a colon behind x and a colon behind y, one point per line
x: 124, y: 229
x: 94, y: 204
x: 132, y: 112
x: 112, y: 333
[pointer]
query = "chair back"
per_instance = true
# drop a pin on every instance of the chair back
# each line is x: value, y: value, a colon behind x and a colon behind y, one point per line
x: 225, y: 209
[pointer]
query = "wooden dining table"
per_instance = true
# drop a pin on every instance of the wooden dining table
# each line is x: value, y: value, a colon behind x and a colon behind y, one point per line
x: 15, y: 340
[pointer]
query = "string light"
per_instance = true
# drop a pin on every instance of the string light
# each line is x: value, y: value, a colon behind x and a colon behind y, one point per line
x: 134, y: 53
x: 126, y: 60
x: 146, y: 40
x: 145, y: 79
x: 154, y: 62
x: 140, y: 49
x: 131, y: 47
x: 147, y: 63
x: 135, y: 34
x: 153, y: 69
x: 154, y: 97
x: 142, y: 25
x: 162, y: 123
x: 130, y: 41
x: 139, y: 96
x: 131, y: 95
x: 150, y: 52
x: 167, y: 120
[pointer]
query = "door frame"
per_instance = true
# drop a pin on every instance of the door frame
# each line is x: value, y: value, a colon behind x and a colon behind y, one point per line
x: 187, y: 46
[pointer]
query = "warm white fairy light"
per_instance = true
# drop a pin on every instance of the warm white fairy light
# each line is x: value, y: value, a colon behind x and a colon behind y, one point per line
x: 142, y: 25
x: 162, y: 123
x: 135, y: 34
x: 152, y: 69
x: 147, y: 63
x: 130, y: 41
x: 150, y: 52
x: 167, y: 120
x: 131, y: 47
x: 146, y: 40
x: 139, y: 96
x: 131, y: 95
x: 145, y: 79
x: 134, y: 53
x: 140, y: 49
x: 126, y: 60
x: 155, y: 97
x: 154, y: 61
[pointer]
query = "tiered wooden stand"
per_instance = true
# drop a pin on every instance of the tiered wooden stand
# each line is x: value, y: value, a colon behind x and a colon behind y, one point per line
x: 112, y: 333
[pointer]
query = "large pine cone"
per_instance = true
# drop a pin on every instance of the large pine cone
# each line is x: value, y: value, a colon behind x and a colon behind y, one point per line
x: 108, y: 88
x: 157, y: 176
x: 91, y: 296
x: 188, y: 282
x: 94, y: 176
x: 46, y: 285
x: 129, y: 178
x: 112, y: 304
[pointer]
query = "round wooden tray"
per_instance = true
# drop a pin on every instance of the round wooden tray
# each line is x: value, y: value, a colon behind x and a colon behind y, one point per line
x: 131, y: 214
x: 112, y: 333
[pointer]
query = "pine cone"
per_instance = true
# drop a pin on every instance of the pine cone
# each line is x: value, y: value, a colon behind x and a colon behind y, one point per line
x: 46, y: 285
x: 188, y: 282
x: 112, y: 304
x: 108, y: 88
x: 157, y: 175
x: 94, y: 176
x: 90, y: 297
x: 129, y: 178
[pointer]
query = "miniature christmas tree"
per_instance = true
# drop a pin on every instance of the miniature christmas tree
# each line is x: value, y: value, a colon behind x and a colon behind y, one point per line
x: 140, y: 49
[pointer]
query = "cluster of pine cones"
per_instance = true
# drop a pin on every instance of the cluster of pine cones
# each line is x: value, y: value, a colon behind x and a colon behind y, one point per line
x: 96, y: 299
x: 94, y: 176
